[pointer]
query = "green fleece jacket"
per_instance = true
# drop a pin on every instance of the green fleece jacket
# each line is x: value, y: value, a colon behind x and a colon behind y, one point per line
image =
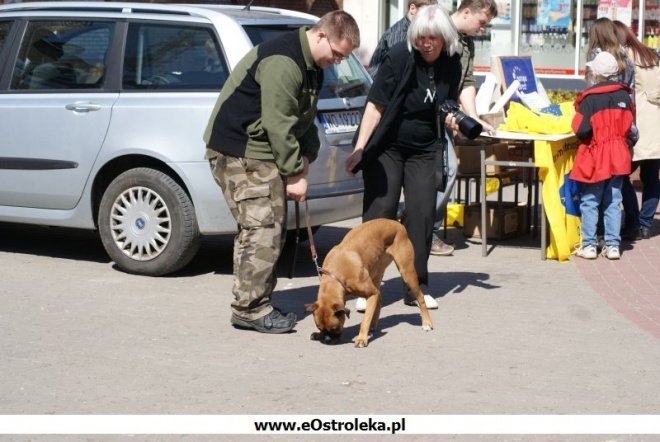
x: 267, y: 107
x: 467, y: 62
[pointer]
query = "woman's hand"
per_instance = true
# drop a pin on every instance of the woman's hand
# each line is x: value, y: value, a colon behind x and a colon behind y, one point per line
x: 370, y: 119
x: 353, y: 160
x: 450, y: 123
x: 487, y: 127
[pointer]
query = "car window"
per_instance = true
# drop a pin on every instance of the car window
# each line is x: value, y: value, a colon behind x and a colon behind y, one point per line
x: 180, y: 57
x: 62, y: 55
x: 4, y: 31
x: 259, y: 34
x: 346, y: 79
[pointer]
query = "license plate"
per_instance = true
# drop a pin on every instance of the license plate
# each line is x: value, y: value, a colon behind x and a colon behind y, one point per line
x: 340, y: 122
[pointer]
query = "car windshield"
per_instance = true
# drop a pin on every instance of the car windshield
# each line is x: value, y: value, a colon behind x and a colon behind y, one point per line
x: 346, y: 79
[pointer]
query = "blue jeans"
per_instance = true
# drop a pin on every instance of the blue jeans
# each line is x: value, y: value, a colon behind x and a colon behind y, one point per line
x: 648, y: 173
x: 608, y: 194
x: 442, y: 198
x: 630, y: 205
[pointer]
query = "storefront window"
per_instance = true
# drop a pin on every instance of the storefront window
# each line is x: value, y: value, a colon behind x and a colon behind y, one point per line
x: 649, y: 30
x: 548, y: 34
x: 550, y: 30
x: 629, y: 13
x: 555, y: 33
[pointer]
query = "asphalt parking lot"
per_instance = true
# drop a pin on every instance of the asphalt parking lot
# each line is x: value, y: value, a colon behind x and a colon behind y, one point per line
x: 513, y: 335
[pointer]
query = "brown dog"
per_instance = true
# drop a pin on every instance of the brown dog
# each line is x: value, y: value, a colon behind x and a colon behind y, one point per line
x: 356, y: 266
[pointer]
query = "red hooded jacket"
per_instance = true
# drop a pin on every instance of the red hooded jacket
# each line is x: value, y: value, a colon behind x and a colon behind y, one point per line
x: 603, y: 119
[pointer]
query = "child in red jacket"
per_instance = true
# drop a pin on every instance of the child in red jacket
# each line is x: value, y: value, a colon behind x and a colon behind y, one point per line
x: 604, y: 124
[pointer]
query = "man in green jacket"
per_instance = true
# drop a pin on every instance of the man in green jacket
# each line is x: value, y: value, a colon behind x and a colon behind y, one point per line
x: 260, y: 140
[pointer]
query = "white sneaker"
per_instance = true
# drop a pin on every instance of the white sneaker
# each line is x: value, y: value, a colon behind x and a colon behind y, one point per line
x: 429, y: 300
x: 587, y: 252
x: 361, y: 305
x: 611, y: 252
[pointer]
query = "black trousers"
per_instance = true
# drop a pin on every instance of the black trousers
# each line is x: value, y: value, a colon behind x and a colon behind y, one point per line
x: 414, y: 171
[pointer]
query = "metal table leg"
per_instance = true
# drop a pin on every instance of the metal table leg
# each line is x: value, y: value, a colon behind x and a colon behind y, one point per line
x: 482, y: 193
x: 544, y: 227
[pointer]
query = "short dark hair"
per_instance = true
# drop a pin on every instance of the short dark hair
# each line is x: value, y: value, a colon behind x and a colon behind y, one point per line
x: 478, y: 5
x: 339, y: 25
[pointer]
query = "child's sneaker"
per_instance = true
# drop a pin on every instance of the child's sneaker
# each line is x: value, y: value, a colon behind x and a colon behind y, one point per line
x: 611, y: 252
x: 587, y: 252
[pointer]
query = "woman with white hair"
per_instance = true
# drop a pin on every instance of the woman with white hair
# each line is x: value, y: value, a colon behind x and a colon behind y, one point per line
x: 396, y: 144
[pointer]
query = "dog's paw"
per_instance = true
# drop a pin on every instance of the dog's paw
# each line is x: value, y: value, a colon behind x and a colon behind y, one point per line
x: 316, y: 336
x: 427, y: 327
x: 361, y: 343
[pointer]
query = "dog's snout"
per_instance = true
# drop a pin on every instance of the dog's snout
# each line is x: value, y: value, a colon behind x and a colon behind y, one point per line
x: 330, y: 337
x: 330, y: 340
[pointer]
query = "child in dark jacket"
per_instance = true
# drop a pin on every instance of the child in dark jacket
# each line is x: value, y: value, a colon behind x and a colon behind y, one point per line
x: 603, y: 122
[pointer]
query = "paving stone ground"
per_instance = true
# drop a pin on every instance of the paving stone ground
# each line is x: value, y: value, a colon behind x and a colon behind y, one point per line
x: 513, y: 335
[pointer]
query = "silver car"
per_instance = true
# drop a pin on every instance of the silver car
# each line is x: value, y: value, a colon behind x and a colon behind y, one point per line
x: 102, y: 111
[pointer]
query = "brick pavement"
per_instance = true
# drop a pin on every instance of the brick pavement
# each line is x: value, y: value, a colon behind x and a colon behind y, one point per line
x: 632, y: 284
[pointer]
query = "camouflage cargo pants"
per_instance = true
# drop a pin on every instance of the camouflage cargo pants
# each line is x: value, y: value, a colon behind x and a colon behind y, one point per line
x: 255, y: 193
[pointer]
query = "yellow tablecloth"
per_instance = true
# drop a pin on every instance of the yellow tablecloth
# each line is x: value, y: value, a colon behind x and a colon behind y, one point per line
x: 555, y: 160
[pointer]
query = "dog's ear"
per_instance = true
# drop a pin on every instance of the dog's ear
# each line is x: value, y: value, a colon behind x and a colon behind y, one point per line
x: 341, y: 310
x: 311, y: 307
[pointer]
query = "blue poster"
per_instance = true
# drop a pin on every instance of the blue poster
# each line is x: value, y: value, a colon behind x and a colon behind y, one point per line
x: 554, y: 13
x: 521, y: 69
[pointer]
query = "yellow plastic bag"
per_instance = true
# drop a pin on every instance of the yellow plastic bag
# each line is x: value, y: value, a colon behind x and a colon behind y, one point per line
x: 493, y: 184
x: 455, y: 214
x: 521, y: 119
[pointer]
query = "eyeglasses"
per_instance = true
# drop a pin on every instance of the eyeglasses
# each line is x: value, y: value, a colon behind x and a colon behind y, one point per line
x: 338, y: 56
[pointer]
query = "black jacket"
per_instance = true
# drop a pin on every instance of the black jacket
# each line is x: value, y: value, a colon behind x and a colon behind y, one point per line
x: 399, y: 64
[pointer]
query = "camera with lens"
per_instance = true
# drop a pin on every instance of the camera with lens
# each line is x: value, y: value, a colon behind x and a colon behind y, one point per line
x: 468, y: 126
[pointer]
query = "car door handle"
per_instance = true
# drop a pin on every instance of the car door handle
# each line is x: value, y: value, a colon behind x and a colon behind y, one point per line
x: 83, y: 107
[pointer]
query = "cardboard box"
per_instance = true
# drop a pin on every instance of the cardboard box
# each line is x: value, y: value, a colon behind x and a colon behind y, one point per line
x: 469, y: 157
x: 472, y: 220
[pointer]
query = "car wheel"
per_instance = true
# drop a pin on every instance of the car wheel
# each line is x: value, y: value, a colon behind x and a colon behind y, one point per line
x: 147, y: 223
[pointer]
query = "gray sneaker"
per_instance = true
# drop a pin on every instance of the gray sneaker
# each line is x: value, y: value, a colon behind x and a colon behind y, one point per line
x: 440, y: 248
x: 273, y: 322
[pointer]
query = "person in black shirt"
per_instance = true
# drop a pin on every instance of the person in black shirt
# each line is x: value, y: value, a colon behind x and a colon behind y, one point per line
x: 398, y: 136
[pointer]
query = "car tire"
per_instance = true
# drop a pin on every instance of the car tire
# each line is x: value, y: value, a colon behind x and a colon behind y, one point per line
x: 147, y: 223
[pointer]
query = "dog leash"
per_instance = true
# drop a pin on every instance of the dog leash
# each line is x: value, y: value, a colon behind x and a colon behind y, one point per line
x: 312, y: 247
x: 310, y: 237
x: 292, y: 264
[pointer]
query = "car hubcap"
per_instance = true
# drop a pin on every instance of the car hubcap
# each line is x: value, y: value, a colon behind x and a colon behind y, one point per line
x: 140, y: 223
